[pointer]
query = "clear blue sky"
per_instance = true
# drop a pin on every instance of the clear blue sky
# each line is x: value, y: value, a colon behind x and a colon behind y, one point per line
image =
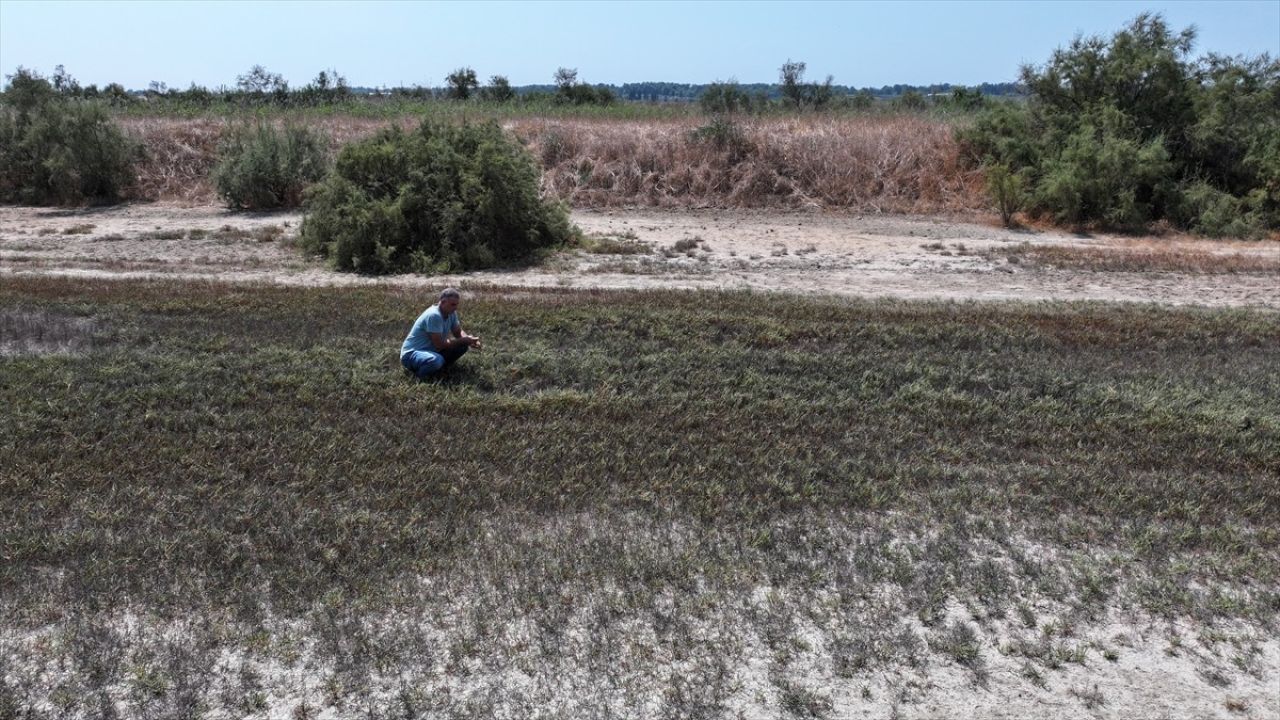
x: 406, y: 43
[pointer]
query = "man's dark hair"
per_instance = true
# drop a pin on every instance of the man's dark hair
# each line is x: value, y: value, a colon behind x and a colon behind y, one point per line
x: 449, y: 293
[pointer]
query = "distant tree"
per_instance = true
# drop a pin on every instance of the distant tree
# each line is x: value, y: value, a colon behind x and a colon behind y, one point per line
x: 196, y: 95
x: 967, y: 99
x: 724, y: 97
x: 461, y: 83
x: 498, y: 90
x: 569, y: 90
x: 791, y: 75
x: 820, y: 96
x: 116, y: 94
x: 566, y: 78
x: 63, y: 82
x: 797, y: 93
x: 864, y: 100
x: 260, y: 80
x: 328, y: 86
x: 331, y: 80
x: 27, y: 90
x: 911, y: 100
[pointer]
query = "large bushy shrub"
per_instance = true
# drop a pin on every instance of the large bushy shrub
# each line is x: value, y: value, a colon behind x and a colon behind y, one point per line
x: 440, y: 198
x: 262, y: 167
x: 56, y: 149
x: 1123, y: 131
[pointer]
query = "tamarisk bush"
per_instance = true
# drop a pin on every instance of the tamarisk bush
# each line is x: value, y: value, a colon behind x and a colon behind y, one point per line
x: 437, y: 199
x: 1126, y: 131
x: 261, y: 167
x: 58, y: 150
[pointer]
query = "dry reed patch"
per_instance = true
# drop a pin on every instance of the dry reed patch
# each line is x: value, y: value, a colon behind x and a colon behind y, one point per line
x: 877, y: 164
x: 178, y: 156
x: 897, y: 164
x: 1144, y: 257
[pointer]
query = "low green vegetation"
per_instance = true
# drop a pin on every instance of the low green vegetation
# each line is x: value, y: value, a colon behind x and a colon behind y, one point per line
x: 1126, y: 131
x: 1157, y: 427
x: 870, y: 492
x: 439, y: 198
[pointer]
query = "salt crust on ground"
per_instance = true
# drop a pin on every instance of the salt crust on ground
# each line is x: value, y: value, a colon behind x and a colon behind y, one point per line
x: 797, y: 252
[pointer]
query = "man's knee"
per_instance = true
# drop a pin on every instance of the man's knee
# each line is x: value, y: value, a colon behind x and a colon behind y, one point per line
x: 431, y: 363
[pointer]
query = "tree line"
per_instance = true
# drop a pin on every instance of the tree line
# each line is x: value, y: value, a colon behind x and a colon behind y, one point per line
x: 260, y: 86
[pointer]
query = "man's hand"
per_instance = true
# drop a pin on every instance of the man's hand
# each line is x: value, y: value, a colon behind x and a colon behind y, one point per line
x: 471, y: 340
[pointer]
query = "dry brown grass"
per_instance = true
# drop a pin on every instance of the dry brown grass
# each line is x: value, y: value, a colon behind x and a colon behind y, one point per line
x: 1143, y: 259
x: 897, y: 164
x: 178, y: 157
x: 179, y: 154
x: 877, y: 164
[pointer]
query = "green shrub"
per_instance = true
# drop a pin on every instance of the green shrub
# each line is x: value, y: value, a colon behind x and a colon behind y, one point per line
x: 911, y: 101
x: 58, y: 150
x: 726, y: 135
x: 1209, y: 211
x: 441, y: 198
x: 1004, y: 134
x: 720, y: 98
x: 1128, y: 130
x: 1101, y: 174
x: 498, y: 90
x: 261, y: 167
x: 1006, y: 190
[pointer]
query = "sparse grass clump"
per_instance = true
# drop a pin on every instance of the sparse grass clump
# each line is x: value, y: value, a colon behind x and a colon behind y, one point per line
x: 624, y: 244
x: 1143, y: 260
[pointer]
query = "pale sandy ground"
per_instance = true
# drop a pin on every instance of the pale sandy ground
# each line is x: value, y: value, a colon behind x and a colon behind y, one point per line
x: 843, y: 254
x: 872, y: 256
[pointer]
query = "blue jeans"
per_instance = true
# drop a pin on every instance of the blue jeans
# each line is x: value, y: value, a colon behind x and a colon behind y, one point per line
x: 424, y: 363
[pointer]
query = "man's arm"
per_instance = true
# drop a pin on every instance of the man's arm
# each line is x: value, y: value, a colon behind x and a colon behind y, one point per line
x: 442, y: 343
x: 460, y: 338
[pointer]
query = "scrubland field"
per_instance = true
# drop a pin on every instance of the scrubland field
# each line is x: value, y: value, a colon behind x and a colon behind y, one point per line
x: 796, y: 400
x: 227, y: 500
x: 754, y: 447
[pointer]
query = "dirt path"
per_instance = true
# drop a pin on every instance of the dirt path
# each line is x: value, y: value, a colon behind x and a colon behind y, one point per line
x: 803, y: 252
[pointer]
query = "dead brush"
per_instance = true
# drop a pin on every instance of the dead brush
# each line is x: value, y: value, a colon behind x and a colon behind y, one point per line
x: 894, y: 163
x: 876, y: 164
x: 178, y: 156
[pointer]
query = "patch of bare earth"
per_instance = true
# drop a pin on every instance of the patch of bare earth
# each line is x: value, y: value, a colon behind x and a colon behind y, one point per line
x: 960, y: 258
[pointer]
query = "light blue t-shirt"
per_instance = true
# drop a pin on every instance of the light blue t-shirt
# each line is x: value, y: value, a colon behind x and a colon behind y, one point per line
x: 430, y: 321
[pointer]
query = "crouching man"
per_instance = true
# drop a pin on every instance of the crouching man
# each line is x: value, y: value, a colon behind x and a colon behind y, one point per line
x: 437, y: 339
